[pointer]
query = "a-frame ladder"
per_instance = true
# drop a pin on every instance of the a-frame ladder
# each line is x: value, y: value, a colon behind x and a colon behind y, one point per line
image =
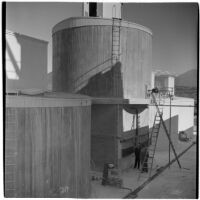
x: 149, y: 154
x: 165, y: 128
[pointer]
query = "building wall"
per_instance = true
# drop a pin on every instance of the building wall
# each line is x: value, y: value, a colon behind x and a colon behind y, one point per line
x: 111, y: 10
x: 182, y: 113
x: 129, y: 135
x: 82, y: 50
x: 152, y: 80
x: 161, y: 82
x: 171, y: 83
x: 47, y: 147
x: 164, y: 81
x: 104, y: 132
x: 105, y: 10
x: 163, y: 141
x: 26, y: 62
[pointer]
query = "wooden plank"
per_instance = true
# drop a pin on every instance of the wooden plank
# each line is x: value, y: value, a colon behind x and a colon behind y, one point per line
x: 67, y: 165
x: 20, y: 167
x: 35, y: 102
x: 85, y: 139
x: 10, y: 153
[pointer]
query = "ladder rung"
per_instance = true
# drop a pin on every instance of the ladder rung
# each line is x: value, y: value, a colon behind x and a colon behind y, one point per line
x: 116, y: 27
x: 145, y: 167
x: 116, y: 36
x: 151, y: 149
x: 151, y: 157
x: 155, y: 134
x: 115, y: 44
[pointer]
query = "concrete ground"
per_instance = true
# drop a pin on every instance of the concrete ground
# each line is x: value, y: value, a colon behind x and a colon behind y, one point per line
x: 172, y: 183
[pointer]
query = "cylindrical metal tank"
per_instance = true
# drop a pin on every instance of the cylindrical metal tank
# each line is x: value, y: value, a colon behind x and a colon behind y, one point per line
x: 82, y: 58
x: 47, y: 146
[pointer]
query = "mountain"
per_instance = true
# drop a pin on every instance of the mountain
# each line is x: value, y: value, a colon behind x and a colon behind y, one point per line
x: 187, y: 79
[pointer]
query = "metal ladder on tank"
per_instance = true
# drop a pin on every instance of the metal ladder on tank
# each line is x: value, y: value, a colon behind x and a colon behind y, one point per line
x: 116, y: 24
x: 116, y: 27
x: 149, y: 154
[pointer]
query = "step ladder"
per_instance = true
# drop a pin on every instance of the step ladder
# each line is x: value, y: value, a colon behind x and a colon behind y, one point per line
x: 116, y: 24
x: 149, y: 154
x: 165, y: 128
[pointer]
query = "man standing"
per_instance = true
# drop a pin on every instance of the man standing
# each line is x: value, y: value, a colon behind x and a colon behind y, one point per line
x: 137, y: 156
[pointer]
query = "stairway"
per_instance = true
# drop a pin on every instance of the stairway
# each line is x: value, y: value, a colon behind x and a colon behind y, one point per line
x: 106, y: 65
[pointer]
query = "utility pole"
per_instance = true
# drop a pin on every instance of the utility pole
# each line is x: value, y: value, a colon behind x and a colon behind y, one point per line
x: 169, y: 124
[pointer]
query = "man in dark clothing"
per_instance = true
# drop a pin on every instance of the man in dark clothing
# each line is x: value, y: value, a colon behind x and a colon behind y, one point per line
x: 137, y: 156
x: 155, y: 90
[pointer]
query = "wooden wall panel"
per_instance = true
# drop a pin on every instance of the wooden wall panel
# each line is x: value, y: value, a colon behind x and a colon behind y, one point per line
x: 104, y: 143
x: 48, y: 146
x: 10, y: 154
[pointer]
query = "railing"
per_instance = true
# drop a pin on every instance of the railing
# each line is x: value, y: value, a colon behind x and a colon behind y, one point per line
x: 102, y: 67
x: 88, y: 74
x: 164, y: 92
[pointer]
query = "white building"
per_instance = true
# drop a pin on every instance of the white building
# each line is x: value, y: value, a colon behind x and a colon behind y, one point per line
x: 26, y: 62
x: 180, y: 109
x: 104, y: 10
x: 163, y: 80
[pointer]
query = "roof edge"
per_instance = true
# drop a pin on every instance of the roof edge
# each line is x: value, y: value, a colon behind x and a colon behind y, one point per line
x: 73, y: 22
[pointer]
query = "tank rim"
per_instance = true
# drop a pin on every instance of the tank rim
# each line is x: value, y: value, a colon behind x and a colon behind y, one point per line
x: 75, y: 22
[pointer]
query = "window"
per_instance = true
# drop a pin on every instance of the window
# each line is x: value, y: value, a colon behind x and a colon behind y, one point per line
x: 92, y: 9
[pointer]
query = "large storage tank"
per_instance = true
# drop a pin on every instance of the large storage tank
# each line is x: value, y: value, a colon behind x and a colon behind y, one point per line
x: 47, y: 146
x: 82, y: 58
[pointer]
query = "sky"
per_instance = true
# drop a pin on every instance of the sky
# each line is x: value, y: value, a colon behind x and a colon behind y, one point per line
x: 174, y: 27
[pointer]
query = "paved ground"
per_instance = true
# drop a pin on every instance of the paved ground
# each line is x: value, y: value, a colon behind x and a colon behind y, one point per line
x: 172, y: 183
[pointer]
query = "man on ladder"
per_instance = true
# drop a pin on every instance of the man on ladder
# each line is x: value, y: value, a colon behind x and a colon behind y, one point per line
x: 151, y: 147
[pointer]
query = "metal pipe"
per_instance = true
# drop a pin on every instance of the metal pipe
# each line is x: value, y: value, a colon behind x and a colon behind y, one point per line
x: 170, y: 125
x: 174, y: 105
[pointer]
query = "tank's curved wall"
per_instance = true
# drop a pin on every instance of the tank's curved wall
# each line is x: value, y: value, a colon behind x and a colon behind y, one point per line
x: 82, y: 49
